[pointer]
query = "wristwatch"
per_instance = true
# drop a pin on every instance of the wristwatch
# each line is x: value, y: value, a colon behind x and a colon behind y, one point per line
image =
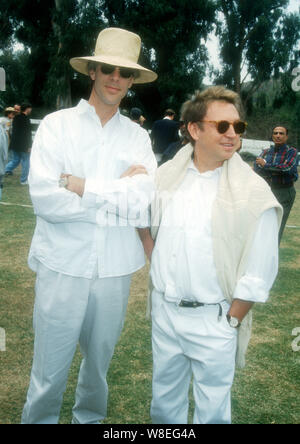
x: 63, y: 182
x: 232, y: 321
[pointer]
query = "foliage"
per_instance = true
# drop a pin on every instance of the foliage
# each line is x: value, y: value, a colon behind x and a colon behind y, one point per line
x: 56, y: 30
x: 256, y: 37
x: 172, y: 47
x: 19, y: 76
x: 6, y: 27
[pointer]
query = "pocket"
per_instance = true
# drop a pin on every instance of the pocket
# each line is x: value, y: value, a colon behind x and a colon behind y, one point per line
x: 156, y: 301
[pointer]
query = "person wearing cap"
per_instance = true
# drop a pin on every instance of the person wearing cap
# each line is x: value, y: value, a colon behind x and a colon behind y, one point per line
x: 215, y: 224
x: 6, y: 121
x: 91, y: 182
x: 164, y: 132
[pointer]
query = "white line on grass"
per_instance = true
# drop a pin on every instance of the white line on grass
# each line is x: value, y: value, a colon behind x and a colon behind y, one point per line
x: 16, y: 205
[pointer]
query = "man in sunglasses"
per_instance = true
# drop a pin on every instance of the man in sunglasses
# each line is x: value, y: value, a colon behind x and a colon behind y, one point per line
x: 278, y: 166
x: 215, y: 224
x: 91, y: 181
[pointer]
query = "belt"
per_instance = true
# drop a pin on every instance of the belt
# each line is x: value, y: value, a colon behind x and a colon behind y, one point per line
x: 190, y: 304
x: 194, y: 304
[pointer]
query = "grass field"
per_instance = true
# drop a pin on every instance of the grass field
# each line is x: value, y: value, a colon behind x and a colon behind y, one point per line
x: 267, y: 391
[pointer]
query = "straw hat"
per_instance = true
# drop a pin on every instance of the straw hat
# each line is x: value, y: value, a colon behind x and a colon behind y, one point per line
x: 116, y: 47
x: 10, y: 109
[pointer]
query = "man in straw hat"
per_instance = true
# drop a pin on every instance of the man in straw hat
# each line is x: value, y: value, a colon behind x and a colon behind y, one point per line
x: 91, y: 181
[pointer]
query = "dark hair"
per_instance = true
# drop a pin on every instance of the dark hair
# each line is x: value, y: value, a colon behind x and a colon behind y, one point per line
x: 135, y: 113
x: 24, y: 106
x: 169, y: 112
x: 281, y: 126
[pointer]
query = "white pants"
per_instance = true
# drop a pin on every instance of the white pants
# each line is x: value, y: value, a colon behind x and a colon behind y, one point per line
x: 67, y: 310
x: 191, y: 342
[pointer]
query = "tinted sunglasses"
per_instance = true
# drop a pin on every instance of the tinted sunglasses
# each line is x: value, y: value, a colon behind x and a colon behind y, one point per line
x: 223, y: 125
x: 126, y: 73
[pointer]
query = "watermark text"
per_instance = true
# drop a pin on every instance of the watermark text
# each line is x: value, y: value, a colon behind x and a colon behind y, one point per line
x: 2, y: 340
x: 296, y: 81
x: 296, y: 341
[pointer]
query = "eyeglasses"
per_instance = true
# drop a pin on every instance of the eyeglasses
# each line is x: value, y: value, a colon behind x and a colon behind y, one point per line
x: 223, y: 125
x: 126, y: 73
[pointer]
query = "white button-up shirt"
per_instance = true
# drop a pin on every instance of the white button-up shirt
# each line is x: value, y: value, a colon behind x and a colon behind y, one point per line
x: 74, y: 235
x: 182, y: 264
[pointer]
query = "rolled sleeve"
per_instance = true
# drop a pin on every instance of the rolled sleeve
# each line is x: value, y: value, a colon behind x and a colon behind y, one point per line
x: 255, y: 284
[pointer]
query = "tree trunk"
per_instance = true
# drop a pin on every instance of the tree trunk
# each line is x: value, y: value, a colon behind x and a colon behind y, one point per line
x: 63, y: 99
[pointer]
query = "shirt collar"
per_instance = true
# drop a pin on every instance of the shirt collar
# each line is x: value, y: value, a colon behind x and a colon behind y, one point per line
x: 84, y: 107
x: 207, y: 174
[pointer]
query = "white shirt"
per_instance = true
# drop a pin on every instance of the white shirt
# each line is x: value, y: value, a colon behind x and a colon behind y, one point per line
x: 75, y: 235
x: 182, y: 264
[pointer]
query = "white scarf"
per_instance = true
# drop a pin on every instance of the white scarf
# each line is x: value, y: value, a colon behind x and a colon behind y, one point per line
x: 241, y: 199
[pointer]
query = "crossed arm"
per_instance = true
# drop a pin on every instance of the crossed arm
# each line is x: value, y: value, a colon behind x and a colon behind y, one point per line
x: 77, y: 184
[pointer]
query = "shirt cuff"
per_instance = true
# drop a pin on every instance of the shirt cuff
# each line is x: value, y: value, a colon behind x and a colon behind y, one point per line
x: 251, y: 289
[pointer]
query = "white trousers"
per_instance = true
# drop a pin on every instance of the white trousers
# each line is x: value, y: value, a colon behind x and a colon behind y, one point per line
x: 69, y: 310
x: 191, y: 343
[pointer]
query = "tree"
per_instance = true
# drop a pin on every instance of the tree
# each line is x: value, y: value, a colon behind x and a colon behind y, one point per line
x: 171, y: 33
x: 76, y: 24
x: 53, y: 31
x: 257, y: 37
x: 18, y: 81
x: 6, y: 27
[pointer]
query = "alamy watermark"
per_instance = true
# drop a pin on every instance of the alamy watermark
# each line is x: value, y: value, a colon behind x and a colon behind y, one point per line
x: 2, y: 79
x: 296, y: 341
x: 296, y: 81
x: 2, y: 340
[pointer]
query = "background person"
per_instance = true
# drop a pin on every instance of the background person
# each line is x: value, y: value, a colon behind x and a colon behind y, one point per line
x: 6, y: 121
x: 164, y: 132
x: 174, y: 147
x: 278, y: 166
x: 3, y: 155
x: 135, y: 115
x: 20, y: 143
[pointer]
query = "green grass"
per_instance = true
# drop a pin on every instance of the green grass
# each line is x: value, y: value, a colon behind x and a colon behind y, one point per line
x: 265, y: 392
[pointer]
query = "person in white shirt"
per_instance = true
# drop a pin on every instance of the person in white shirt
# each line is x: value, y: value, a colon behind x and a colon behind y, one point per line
x: 215, y: 228
x: 91, y: 182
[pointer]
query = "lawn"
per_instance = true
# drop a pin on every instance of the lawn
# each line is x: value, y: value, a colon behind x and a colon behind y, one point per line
x: 265, y: 392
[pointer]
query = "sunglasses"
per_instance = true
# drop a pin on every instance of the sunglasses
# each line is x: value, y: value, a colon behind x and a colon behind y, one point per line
x: 223, y: 125
x: 126, y: 73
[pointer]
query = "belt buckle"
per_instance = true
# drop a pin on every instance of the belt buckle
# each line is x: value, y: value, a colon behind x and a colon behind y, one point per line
x: 190, y: 304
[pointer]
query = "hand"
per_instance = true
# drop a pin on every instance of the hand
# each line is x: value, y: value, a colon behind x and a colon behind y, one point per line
x: 239, y: 308
x: 147, y: 241
x: 75, y: 184
x: 134, y: 170
x: 260, y: 161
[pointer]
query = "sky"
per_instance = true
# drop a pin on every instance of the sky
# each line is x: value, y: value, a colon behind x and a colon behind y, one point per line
x: 213, y: 45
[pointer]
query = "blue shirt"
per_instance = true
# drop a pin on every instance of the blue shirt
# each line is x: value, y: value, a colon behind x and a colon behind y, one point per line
x: 280, y: 169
